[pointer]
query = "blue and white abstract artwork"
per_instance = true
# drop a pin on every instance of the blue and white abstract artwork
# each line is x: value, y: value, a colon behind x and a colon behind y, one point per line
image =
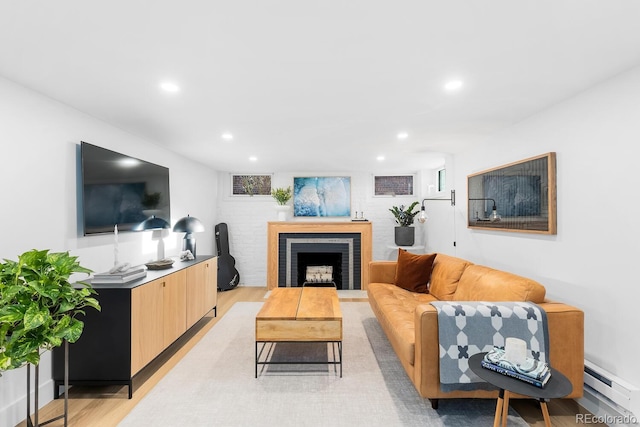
x: 322, y: 196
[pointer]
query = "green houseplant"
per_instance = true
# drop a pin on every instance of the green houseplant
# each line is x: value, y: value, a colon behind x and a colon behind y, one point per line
x: 39, y: 306
x: 282, y: 195
x: 404, y: 217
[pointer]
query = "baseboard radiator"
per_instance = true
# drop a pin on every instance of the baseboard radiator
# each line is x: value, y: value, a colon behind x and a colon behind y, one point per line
x: 612, y: 388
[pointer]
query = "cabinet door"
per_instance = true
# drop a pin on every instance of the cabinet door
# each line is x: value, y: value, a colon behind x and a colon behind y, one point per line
x: 201, y: 290
x: 174, y: 306
x: 146, y: 323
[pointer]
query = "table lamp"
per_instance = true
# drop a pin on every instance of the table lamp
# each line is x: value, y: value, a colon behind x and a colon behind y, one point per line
x: 154, y: 223
x: 189, y: 225
x: 151, y: 223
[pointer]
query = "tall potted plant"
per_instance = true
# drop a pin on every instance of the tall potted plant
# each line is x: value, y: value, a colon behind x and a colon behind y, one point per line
x: 39, y: 307
x: 282, y: 196
x: 404, y: 234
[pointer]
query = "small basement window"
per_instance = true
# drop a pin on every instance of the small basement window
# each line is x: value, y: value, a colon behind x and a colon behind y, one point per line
x: 393, y: 185
x: 251, y: 185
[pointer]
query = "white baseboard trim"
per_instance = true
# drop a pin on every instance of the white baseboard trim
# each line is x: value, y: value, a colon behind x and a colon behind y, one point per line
x: 604, y: 411
x: 16, y: 411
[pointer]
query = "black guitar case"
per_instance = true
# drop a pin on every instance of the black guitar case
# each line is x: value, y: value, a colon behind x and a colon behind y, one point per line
x: 228, y: 276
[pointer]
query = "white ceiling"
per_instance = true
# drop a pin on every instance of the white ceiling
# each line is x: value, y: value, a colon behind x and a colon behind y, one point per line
x: 317, y: 86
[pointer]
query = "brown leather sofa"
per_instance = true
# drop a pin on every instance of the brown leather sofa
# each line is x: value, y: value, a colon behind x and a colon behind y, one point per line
x: 411, y: 323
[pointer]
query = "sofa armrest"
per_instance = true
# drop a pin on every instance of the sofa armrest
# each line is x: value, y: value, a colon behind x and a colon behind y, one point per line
x: 566, y: 347
x: 566, y: 342
x: 427, y: 351
x: 382, y: 271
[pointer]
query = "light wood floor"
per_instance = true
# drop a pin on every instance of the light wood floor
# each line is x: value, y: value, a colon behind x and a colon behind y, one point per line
x: 107, y: 406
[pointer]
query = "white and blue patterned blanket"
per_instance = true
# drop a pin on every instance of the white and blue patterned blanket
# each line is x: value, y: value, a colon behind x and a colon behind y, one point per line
x: 469, y: 327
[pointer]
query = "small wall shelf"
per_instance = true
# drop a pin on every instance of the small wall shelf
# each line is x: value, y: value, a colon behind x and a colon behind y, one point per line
x: 393, y: 250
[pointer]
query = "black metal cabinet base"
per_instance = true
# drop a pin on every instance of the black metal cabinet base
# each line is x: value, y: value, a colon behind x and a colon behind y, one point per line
x: 102, y: 355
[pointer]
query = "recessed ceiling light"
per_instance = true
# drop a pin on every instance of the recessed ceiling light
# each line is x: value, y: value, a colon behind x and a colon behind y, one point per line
x: 253, y: 159
x: 380, y: 158
x: 453, y: 85
x: 402, y: 135
x: 169, y: 87
x: 227, y: 136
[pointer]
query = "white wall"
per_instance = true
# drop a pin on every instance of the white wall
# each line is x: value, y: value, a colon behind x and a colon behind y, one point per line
x: 38, y: 140
x: 590, y: 262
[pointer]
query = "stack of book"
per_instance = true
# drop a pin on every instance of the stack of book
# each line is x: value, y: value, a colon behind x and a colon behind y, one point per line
x: 126, y: 276
x: 531, y: 371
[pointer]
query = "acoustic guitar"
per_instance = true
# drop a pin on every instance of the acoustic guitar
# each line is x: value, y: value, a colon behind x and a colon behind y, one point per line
x: 228, y: 276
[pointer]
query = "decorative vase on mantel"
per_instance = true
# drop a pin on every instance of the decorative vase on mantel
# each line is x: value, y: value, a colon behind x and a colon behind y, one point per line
x: 283, y: 212
x: 405, y: 236
x: 282, y: 196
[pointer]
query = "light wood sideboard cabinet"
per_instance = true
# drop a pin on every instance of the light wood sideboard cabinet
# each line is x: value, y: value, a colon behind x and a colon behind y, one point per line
x: 174, y: 305
x: 147, y: 324
x: 138, y: 321
x: 201, y: 297
x: 158, y: 316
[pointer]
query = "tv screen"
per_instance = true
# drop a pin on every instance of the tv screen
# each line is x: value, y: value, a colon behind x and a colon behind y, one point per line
x: 119, y: 189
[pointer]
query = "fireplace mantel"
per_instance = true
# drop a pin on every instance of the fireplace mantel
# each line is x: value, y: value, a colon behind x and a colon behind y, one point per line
x: 275, y: 228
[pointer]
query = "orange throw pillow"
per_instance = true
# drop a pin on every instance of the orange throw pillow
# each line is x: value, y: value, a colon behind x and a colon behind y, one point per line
x: 413, y: 272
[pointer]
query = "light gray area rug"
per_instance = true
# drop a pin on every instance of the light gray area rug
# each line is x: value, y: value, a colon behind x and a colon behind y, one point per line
x: 214, y: 384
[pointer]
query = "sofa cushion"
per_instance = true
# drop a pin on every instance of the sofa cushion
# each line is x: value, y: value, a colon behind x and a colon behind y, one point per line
x: 395, y: 310
x: 446, y: 273
x: 413, y: 272
x: 480, y: 283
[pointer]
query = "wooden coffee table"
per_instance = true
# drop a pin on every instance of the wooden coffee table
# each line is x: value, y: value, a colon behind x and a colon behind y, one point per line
x: 307, y: 314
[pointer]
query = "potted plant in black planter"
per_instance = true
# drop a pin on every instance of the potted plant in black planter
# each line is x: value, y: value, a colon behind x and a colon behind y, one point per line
x: 39, y: 307
x: 405, y: 234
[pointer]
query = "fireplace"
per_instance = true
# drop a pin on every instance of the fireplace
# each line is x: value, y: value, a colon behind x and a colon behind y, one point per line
x: 343, y: 246
x: 319, y: 268
x: 341, y: 251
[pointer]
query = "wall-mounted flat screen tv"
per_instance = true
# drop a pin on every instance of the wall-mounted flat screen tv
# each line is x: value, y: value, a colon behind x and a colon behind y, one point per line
x: 119, y: 189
